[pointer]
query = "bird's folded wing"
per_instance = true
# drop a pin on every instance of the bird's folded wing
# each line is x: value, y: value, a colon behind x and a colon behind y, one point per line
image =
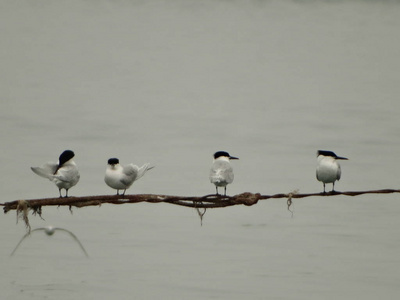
x: 136, y: 172
x: 131, y: 170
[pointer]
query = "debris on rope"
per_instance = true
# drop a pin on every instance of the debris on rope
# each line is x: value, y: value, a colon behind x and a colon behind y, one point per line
x: 22, y: 213
x: 204, y: 202
x: 289, y: 201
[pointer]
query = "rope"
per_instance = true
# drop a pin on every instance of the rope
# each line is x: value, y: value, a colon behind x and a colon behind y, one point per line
x: 207, y: 201
x: 204, y: 202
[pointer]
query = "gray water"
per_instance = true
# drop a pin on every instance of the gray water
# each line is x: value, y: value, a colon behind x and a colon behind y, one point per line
x: 170, y: 83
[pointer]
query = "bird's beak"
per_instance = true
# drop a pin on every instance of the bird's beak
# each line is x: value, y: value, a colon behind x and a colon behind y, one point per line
x: 343, y: 158
x: 232, y: 157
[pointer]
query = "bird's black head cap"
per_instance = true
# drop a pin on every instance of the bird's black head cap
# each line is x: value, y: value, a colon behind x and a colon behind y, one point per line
x: 66, y: 156
x: 326, y: 153
x: 113, y: 161
x: 331, y: 154
x: 221, y: 153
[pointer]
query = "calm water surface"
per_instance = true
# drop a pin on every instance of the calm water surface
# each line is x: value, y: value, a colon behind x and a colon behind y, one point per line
x: 170, y: 83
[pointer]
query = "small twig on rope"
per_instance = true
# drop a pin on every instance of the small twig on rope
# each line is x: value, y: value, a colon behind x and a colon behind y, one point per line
x: 204, y: 202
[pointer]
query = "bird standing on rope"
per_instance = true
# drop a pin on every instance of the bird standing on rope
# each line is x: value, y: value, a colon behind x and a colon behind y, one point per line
x: 121, y: 177
x: 328, y: 169
x: 221, y: 173
x: 64, y: 174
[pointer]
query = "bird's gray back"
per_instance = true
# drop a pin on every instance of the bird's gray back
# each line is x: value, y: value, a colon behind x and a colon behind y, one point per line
x: 68, y: 174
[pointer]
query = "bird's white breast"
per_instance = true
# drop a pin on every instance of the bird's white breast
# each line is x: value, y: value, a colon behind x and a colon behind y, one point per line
x: 328, y: 170
x: 115, y: 177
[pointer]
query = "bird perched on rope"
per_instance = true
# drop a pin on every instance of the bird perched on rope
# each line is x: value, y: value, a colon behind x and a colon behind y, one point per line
x: 122, y: 177
x: 221, y: 173
x: 64, y: 174
x: 328, y: 169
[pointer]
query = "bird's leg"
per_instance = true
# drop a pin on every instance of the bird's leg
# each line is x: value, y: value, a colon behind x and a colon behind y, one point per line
x: 224, y: 190
x: 123, y: 194
x: 117, y: 192
x: 66, y: 193
x: 216, y: 189
x: 333, y: 186
x: 324, y: 187
x: 59, y: 190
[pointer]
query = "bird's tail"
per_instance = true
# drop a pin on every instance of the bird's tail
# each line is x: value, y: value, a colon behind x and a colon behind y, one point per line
x: 143, y: 169
x: 44, y: 171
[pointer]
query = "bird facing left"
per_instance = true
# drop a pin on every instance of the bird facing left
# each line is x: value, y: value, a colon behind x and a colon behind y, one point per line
x: 64, y: 174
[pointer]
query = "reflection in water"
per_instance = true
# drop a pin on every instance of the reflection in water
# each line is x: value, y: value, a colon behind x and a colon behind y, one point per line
x: 49, y: 230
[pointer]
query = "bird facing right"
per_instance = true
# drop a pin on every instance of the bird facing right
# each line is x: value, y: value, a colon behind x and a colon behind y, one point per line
x: 328, y: 169
x: 122, y: 177
x: 221, y: 173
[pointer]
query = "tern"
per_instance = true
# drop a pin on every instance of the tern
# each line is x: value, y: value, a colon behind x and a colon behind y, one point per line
x: 221, y: 173
x: 328, y: 169
x: 49, y: 230
x: 64, y: 174
x: 121, y: 177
